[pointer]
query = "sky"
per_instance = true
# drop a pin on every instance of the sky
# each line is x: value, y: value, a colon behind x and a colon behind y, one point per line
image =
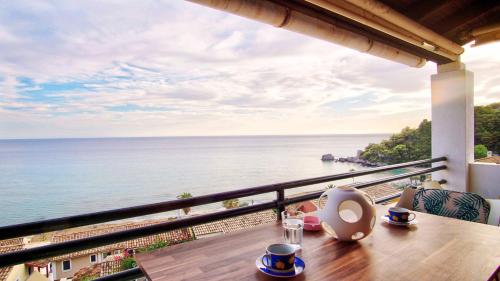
x: 174, y: 68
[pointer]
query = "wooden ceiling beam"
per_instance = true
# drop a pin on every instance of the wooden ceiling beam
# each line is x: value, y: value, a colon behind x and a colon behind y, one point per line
x: 444, y: 11
x: 399, y: 5
x: 450, y: 26
x: 466, y: 35
x: 419, y: 10
x: 353, y: 26
x: 453, y: 19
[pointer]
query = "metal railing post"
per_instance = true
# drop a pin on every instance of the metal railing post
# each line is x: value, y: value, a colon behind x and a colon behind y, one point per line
x: 280, y: 198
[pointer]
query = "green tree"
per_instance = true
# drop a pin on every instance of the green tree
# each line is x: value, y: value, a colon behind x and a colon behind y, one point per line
x: 89, y: 278
x: 156, y: 245
x: 480, y: 151
x: 415, y: 144
x: 487, y: 126
x: 231, y: 203
x: 128, y: 263
x: 408, y: 145
x: 185, y: 195
x: 422, y: 178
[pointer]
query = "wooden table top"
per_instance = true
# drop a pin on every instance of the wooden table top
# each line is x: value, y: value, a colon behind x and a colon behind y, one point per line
x: 436, y: 248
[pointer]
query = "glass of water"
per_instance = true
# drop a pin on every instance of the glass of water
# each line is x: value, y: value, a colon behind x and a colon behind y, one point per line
x: 293, y: 224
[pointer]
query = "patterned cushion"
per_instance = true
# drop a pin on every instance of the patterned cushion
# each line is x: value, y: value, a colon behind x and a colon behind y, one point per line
x: 453, y: 204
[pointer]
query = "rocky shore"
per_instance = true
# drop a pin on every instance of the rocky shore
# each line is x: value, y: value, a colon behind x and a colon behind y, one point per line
x: 355, y: 159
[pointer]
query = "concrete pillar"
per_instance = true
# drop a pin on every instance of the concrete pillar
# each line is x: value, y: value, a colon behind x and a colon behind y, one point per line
x: 453, y: 123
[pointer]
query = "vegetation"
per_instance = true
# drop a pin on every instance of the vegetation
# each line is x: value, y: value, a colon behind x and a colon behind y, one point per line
x: 415, y: 144
x: 480, y: 151
x: 416, y: 180
x: 409, y: 145
x: 128, y: 263
x: 185, y: 195
x: 487, y: 126
x: 231, y: 203
x: 157, y: 245
x: 89, y: 278
x: 88, y: 273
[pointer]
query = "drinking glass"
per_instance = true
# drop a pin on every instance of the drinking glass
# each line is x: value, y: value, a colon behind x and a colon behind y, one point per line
x: 293, y: 224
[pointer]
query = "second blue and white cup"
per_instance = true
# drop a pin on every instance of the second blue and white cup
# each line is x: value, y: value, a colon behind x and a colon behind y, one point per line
x: 279, y: 257
x: 398, y: 214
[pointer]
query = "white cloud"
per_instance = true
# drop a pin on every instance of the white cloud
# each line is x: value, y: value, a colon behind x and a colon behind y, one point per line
x: 183, y: 69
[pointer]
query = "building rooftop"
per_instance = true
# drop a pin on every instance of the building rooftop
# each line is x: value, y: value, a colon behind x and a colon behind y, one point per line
x: 381, y: 190
x: 5, y: 271
x: 110, y: 267
x: 11, y: 242
x: 172, y: 237
x: 491, y: 159
x: 85, y: 272
x: 235, y: 224
x: 8, y: 249
x: 40, y: 263
x: 99, y: 270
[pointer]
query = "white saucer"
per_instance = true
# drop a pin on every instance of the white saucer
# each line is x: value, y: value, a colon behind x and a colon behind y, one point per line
x: 387, y: 220
x: 299, y: 268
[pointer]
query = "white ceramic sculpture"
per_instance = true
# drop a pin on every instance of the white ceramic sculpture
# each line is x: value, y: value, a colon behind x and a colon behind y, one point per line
x: 348, y: 214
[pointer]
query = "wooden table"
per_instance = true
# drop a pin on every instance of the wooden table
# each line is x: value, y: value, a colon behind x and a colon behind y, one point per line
x: 436, y: 248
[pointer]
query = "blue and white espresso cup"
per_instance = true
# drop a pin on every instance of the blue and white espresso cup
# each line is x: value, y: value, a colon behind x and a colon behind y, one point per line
x: 279, y: 257
x: 403, y: 215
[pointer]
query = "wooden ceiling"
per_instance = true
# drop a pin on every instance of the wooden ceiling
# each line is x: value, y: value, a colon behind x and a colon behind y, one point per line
x: 454, y: 19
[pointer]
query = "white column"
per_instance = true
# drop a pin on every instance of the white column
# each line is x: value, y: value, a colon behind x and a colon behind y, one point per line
x: 453, y: 123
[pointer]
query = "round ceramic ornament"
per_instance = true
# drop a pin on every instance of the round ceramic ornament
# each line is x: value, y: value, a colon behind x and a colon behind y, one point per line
x: 349, y: 214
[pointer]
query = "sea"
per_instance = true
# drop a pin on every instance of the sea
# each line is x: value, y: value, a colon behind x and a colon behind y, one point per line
x: 50, y: 178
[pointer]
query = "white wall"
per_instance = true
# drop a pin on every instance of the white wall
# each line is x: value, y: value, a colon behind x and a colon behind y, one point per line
x: 453, y: 123
x: 485, y: 179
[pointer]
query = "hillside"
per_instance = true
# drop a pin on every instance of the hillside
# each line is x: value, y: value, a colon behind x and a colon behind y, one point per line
x: 415, y: 144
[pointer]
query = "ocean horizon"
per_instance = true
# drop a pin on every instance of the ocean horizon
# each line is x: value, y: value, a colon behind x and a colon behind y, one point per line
x: 54, y: 177
x: 197, y: 136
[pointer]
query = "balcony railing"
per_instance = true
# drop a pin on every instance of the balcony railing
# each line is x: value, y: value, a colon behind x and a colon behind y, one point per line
x: 52, y: 250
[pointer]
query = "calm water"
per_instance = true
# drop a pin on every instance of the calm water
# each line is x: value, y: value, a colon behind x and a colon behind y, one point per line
x: 43, y: 179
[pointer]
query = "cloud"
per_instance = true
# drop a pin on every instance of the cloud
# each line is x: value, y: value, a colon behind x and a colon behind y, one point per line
x: 93, y: 68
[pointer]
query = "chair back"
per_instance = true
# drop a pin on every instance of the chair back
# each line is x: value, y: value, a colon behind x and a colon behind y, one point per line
x: 494, y: 218
x: 460, y: 205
